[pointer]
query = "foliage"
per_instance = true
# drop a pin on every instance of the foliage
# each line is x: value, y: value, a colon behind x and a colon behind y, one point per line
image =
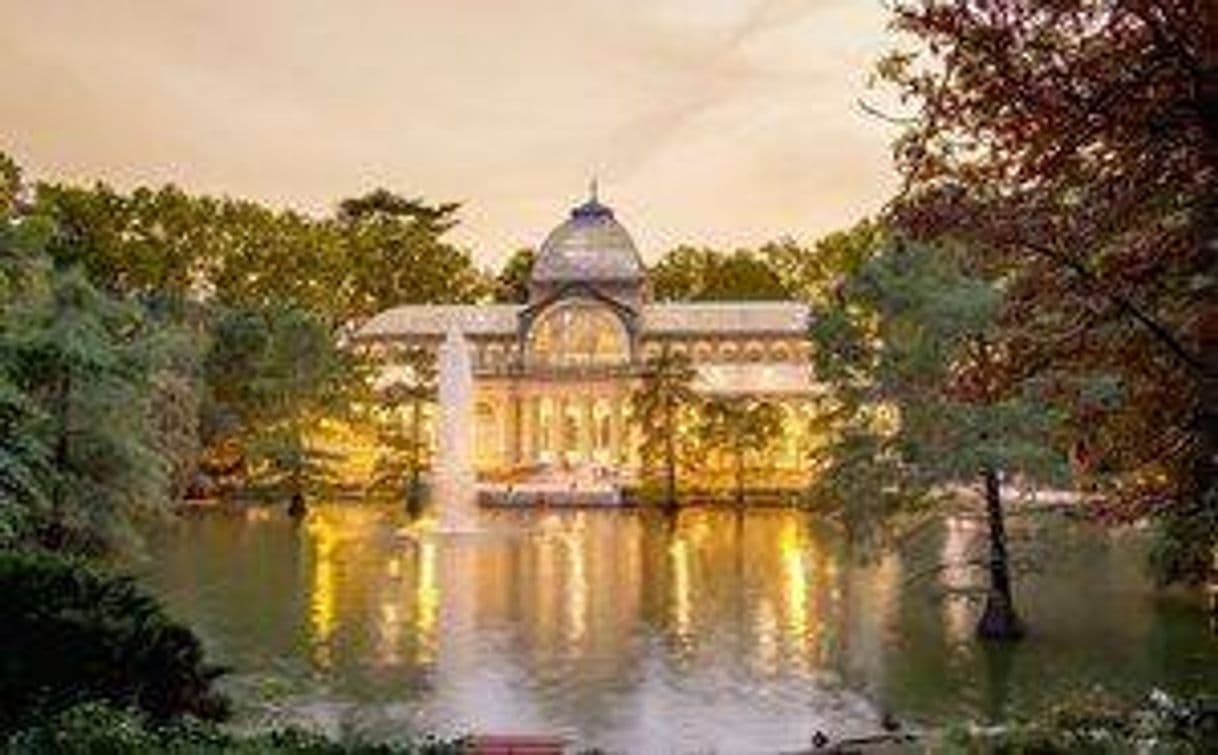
x: 1098, y: 724
x: 69, y: 634
x: 93, y: 729
x: 400, y: 406
x: 919, y: 398
x: 379, y: 250
x: 25, y: 469
x: 10, y: 185
x: 393, y: 254
x: 1074, y: 145
x: 922, y: 401
x: 742, y: 428
x: 693, y: 274
x: 80, y: 364
x: 810, y: 274
x: 664, y: 408
x: 512, y: 283
x: 272, y: 375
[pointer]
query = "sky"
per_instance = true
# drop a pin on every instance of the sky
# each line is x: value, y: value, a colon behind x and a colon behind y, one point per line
x: 724, y: 123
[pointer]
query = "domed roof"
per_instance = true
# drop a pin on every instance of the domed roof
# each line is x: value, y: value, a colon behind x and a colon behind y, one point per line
x: 590, y: 246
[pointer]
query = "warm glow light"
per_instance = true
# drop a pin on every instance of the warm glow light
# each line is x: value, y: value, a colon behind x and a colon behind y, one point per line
x: 767, y: 637
x: 323, y: 601
x: 577, y: 588
x: 956, y: 576
x: 795, y: 587
x: 427, y: 604
x: 678, y: 556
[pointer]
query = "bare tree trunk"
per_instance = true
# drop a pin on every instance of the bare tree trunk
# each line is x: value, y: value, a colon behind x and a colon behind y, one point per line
x: 999, y: 621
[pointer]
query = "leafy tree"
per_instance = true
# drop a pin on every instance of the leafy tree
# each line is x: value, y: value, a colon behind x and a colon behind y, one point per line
x: 23, y: 240
x: 923, y: 401
x: 394, y: 254
x: 809, y: 274
x: 402, y: 442
x: 10, y: 185
x: 25, y: 471
x: 512, y: 284
x: 166, y: 246
x: 272, y: 376
x: 1076, y: 143
x: 742, y: 428
x: 69, y: 634
x: 664, y: 408
x: 81, y: 363
x: 692, y: 274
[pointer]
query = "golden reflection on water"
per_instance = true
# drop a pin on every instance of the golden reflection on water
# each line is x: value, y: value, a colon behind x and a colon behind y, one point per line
x: 577, y: 602
x: 957, y: 576
x: 323, y: 600
x: 792, y: 547
x: 427, y: 604
x: 570, y: 581
x: 710, y: 631
x: 679, y: 602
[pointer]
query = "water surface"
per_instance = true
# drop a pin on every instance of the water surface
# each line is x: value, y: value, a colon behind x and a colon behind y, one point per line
x: 714, y: 632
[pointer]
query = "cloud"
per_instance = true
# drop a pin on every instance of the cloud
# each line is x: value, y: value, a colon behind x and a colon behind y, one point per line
x: 710, y: 121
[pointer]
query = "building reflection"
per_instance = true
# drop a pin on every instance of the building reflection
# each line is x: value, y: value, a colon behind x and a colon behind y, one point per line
x: 323, y: 607
x: 958, y: 576
x: 426, y: 604
x: 595, y: 598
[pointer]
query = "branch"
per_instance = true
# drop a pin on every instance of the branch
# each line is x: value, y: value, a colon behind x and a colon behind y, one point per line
x: 875, y: 112
x: 1125, y: 305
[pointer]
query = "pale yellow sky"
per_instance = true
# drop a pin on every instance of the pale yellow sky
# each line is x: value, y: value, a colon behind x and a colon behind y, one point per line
x: 720, y: 122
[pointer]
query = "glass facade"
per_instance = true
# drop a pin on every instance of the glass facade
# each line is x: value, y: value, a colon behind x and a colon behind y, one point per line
x: 578, y: 335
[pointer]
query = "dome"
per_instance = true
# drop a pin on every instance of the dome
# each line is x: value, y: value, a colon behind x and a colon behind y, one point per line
x: 590, y: 246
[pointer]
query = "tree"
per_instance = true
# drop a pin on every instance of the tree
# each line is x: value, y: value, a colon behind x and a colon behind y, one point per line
x: 664, y: 406
x: 169, y: 248
x: 924, y: 402
x: 77, y: 367
x: 25, y: 471
x: 69, y: 634
x: 740, y: 427
x: 808, y: 274
x: 404, y: 449
x: 10, y: 185
x: 1076, y: 144
x: 512, y: 284
x: 272, y: 376
x: 394, y: 254
x: 692, y: 274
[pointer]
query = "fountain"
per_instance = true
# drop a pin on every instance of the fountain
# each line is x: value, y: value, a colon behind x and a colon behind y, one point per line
x: 454, y: 490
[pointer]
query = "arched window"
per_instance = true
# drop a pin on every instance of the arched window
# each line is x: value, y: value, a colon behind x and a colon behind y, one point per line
x: 578, y: 335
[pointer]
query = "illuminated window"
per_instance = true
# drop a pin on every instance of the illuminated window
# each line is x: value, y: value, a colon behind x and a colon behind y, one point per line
x: 578, y: 335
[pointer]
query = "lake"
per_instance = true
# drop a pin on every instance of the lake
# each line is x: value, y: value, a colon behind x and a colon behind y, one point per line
x: 628, y: 631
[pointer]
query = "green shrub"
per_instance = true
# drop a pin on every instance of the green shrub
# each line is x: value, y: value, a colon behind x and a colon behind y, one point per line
x: 70, y: 634
x: 1099, y: 724
x: 97, y: 729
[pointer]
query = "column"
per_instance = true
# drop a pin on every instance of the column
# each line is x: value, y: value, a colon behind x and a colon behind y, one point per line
x: 616, y: 427
x: 558, y: 428
x: 587, y: 433
x: 514, y: 429
x: 535, y: 429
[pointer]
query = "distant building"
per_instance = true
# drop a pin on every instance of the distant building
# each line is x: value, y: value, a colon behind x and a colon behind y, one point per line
x: 553, y: 377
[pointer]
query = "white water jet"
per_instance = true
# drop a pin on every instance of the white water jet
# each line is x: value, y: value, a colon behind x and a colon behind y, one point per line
x: 453, y: 490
